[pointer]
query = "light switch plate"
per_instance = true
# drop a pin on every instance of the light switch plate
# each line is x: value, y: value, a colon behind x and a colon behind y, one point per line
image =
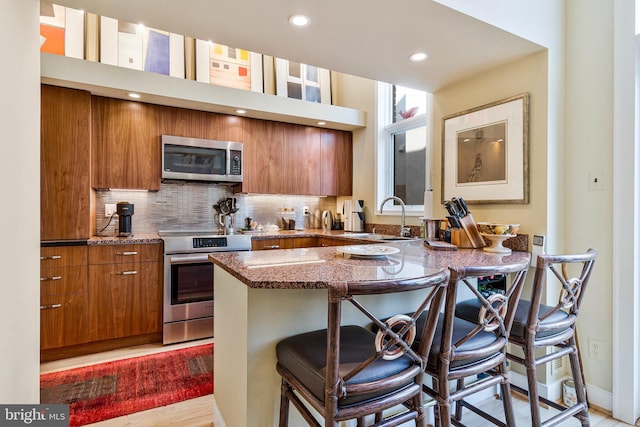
x: 537, y: 248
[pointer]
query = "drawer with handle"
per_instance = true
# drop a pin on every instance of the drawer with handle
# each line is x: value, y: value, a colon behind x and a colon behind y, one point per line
x: 63, y: 256
x: 116, y: 254
x: 62, y: 280
x: 63, y: 320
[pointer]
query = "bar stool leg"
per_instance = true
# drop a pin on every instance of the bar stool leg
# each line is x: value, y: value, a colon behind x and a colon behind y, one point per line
x: 507, y: 402
x: 284, y: 405
x: 458, y: 404
x: 581, y: 393
x: 532, y: 381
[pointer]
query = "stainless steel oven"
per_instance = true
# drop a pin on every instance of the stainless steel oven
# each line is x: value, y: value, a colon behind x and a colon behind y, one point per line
x: 188, y: 281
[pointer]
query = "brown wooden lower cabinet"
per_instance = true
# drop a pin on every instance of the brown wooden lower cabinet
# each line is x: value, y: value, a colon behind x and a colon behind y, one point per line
x: 125, y: 298
x: 263, y: 244
x: 99, y: 297
x: 304, y: 242
x: 284, y: 243
x: 335, y: 241
x: 63, y: 320
x: 299, y: 242
x: 63, y: 296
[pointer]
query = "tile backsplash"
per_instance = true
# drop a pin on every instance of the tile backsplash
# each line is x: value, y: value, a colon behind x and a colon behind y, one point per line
x: 190, y: 206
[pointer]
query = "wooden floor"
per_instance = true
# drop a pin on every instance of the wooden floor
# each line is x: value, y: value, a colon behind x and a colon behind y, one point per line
x: 202, y: 412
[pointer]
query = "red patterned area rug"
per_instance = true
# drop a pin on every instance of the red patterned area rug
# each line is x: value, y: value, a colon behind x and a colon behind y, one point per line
x: 108, y: 390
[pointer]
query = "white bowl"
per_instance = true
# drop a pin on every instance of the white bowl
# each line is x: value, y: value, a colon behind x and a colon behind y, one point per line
x: 498, y: 229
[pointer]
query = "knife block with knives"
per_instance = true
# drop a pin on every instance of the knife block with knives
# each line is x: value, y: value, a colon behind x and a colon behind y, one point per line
x: 459, y: 214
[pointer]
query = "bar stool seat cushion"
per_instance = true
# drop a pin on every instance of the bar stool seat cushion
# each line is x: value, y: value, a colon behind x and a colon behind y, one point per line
x: 461, y: 328
x: 304, y: 355
x: 469, y: 310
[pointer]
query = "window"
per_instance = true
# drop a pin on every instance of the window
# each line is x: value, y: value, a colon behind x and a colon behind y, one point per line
x: 402, y: 147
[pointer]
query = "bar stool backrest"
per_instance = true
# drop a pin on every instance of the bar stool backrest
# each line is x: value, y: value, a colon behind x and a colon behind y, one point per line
x: 572, y: 290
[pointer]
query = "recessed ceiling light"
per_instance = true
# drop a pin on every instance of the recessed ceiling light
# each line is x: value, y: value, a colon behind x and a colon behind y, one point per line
x: 322, y: 123
x: 418, y: 56
x: 299, y: 20
x: 240, y: 111
x: 134, y: 95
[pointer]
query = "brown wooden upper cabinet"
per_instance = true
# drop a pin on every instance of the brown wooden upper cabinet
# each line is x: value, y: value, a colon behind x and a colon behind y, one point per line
x: 65, y: 138
x: 301, y: 168
x: 336, y: 163
x: 279, y: 158
x: 125, y: 149
x: 263, y: 145
x: 282, y: 158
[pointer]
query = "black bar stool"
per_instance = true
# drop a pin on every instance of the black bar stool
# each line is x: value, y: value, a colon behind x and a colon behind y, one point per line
x: 474, y: 349
x: 537, y: 325
x: 349, y: 372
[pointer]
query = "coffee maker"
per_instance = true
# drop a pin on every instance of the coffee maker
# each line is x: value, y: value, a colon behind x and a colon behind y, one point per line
x: 124, y: 211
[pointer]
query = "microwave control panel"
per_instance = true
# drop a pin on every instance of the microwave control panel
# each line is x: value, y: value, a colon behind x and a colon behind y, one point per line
x: 235, y: 167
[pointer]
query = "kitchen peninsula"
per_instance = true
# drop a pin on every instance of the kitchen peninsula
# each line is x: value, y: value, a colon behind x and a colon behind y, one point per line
x: 263, y: 296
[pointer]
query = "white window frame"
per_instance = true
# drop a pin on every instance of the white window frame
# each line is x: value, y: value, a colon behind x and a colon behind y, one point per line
x: 384, y: 149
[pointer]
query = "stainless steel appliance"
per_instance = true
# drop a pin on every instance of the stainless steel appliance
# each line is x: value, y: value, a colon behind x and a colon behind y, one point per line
x: 194, y: 159
x: 188, y: 281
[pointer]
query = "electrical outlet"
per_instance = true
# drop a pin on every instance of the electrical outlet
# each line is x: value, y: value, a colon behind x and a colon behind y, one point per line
x: 305, y: 210
x: 109, y: 209
x: 537, y: 248
x: 597, y: 350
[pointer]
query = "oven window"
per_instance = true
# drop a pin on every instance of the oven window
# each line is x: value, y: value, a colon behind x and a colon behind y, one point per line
x: 191, y: 283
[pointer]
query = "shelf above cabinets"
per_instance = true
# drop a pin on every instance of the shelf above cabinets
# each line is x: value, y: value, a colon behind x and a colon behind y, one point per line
x: 117, y: 82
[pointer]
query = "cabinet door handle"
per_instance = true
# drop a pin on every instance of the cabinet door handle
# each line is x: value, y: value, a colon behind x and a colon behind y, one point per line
x: 50, y: 306
x: 42, y: 258
x: 129, y: 253
x: 127, y: 273
x: 47, y: 279
x: 272, y: 247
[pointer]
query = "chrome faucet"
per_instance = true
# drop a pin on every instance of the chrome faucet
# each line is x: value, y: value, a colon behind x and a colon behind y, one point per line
x: 404, y: 230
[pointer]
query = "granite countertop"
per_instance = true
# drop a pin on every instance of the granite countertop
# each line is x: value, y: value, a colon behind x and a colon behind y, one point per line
x: 115, y: 240
x: 317, y: 268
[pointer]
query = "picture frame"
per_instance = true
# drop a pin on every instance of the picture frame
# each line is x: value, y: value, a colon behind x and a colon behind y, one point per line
x: 302, y: 81
x: 228, y: 66
x: 485, y: 153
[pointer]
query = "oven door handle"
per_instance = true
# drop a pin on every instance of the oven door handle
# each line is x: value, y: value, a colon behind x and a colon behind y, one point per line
x: 188, y: 259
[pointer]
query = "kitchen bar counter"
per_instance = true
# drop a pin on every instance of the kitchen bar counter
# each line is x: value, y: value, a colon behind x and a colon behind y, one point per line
x: 317, y: 268
x: 261, y: 297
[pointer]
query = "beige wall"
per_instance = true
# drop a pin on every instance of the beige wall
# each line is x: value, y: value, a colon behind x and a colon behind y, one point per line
x: 20, y: 194
x: 360, y: 93
x: 526, y: 75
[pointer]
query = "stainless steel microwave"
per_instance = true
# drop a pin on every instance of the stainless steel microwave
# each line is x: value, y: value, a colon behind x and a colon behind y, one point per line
x: 194, y: 159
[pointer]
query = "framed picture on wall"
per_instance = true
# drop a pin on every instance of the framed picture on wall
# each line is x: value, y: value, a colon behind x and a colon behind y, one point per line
x: 302, y: 81
x: 485, y: 153
x: 222, y: 65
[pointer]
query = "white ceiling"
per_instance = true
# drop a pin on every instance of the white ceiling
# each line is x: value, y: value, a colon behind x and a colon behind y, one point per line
x: 366, y: 38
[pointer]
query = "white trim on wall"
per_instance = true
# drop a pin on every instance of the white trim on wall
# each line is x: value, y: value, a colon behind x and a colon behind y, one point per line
x: 626, y: 202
